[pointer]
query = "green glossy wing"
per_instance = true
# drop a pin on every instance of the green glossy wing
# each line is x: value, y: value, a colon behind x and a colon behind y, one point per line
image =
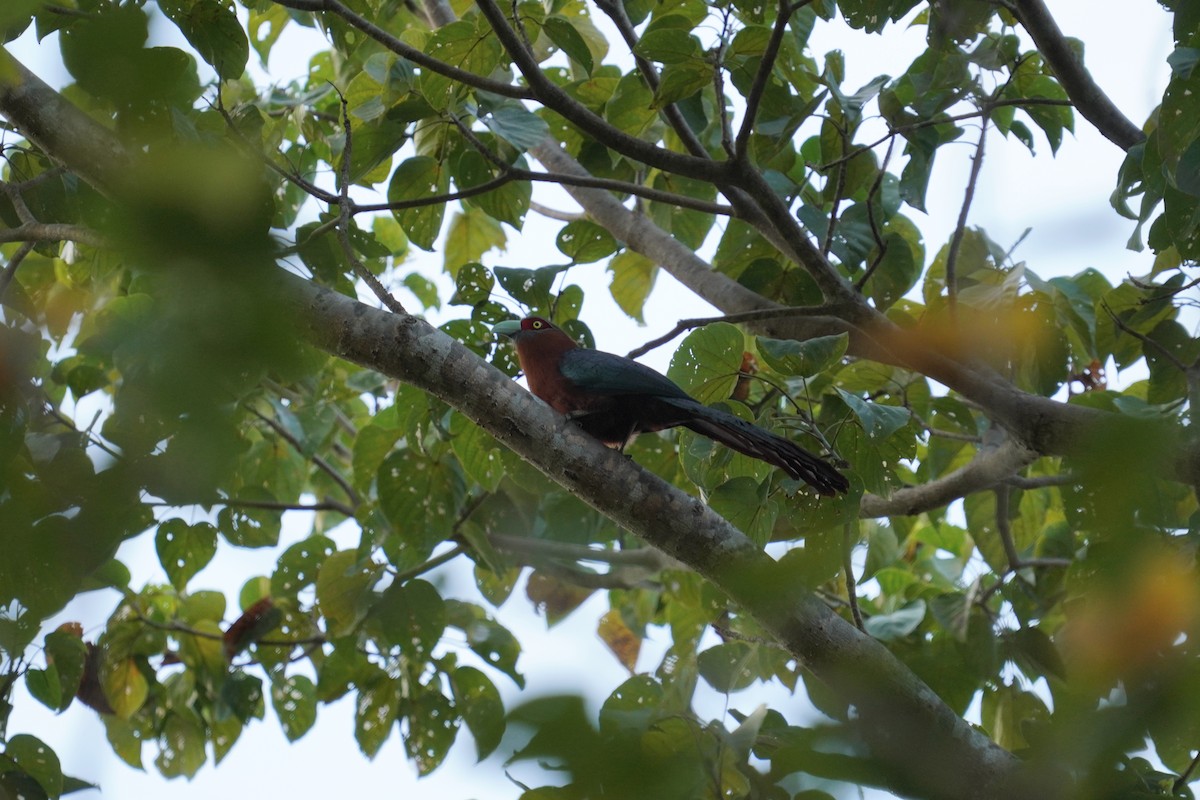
x: 608, y: 374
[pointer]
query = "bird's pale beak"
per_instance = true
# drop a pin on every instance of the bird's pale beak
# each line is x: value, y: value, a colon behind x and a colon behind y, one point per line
x: 509, y: 327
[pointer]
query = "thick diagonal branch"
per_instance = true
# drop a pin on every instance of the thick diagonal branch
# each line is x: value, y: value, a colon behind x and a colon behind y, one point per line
x: 1087, y: 96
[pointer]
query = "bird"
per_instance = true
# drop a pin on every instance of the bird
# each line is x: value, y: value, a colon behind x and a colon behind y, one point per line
x: 614, y: 398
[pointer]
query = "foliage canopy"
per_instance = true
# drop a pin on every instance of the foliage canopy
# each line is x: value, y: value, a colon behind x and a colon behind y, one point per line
x: 1019, y: 534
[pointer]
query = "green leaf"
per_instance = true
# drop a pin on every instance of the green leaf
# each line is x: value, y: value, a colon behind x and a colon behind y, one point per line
x: 567, y: 39
x: 243, y: 696
x: 375, y: 713
x: 473, y: 284
x: 744, y: 502
x: 583, y: 241
x: 478, y: 700
x: 633, y: 277
x: 181, y: 746
x: 879, y: 421
x: 124, y: 685
x: 298, y: 567
x: 632, y: 707
x: 420, y: 497
x: 669, y: 46
x: 432, y: 728
x: 344, y: 590
x: 35, y: 758
x: 728, y: 667
x: 508, y: 202
x: 68, y: 656
x: 295, y: 702
x: 517, y: 125
x: 529, y: 286
x: 371, y: 447
x: 491, y: 640
x: 1008, y: 712
x: 214, y: 30
x: 411, y: 616
x: 898, y: 624
x: 249, y: 527
x: 807, y: 358
x: 477, y: 451
x: 707, y: 362
x: 419, y: 178
x: 681, y: 81
x: 44, y: 686
x: 183, y: 550
x: 424, y: 289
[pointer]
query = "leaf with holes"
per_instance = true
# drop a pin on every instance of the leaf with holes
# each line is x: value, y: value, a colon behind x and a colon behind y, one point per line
x: 728, y: 667
x: 410, y: 616
x: 432, y: 727
x: 375, y: 712
x: 181, y: 745
x: 802, y: 358
x: 249, y: 527
x: 707, y: 362
x: 417, y: 179
x: 299, y: 565
x: 491, y: 640
x: 632, y: 707
x: 183, y: 550
x: 479, y: 703
x: 471, y: 234
x: 35, y: 758
x: 583, y: 241
x: 295, y: 702
x: 878, y: 420
x: 344, y: 590
x: 517, y: 125
x: 632, y: 279
x: 478, y: 452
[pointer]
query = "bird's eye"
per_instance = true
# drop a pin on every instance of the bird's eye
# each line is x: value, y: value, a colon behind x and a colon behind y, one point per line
x: 537, y: 323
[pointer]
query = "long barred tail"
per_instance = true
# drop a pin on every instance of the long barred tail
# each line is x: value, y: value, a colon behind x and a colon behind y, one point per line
x: 757, y: 443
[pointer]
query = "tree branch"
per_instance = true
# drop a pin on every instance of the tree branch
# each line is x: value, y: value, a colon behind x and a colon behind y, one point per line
x: 960, y: 228
x: 761, y: 78
x: 1091, y: 101
x: 555, y: 98
x: 991, y: 466
x: 680, y: 525
x: 401, y: 48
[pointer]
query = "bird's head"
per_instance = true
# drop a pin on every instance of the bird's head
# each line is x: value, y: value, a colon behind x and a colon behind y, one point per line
x: 523, y: 328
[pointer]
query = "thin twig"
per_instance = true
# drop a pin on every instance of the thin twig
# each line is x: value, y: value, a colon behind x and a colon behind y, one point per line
x: 838, y: 191
x: 345, y: 221
x: 1171, y: 358
x: 900, y: 130
x: 761, y: 78
x: 431, y: 564
x: 830, y: 309
x: 646, y: 557
x: 409, y: 52
x: 328, y: 504
x: 961, y: 228
x: 317, y: 461
x: 848, y: 568
x: 14, y: 263
x: 1185, y: 776
x: 880, y: 244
